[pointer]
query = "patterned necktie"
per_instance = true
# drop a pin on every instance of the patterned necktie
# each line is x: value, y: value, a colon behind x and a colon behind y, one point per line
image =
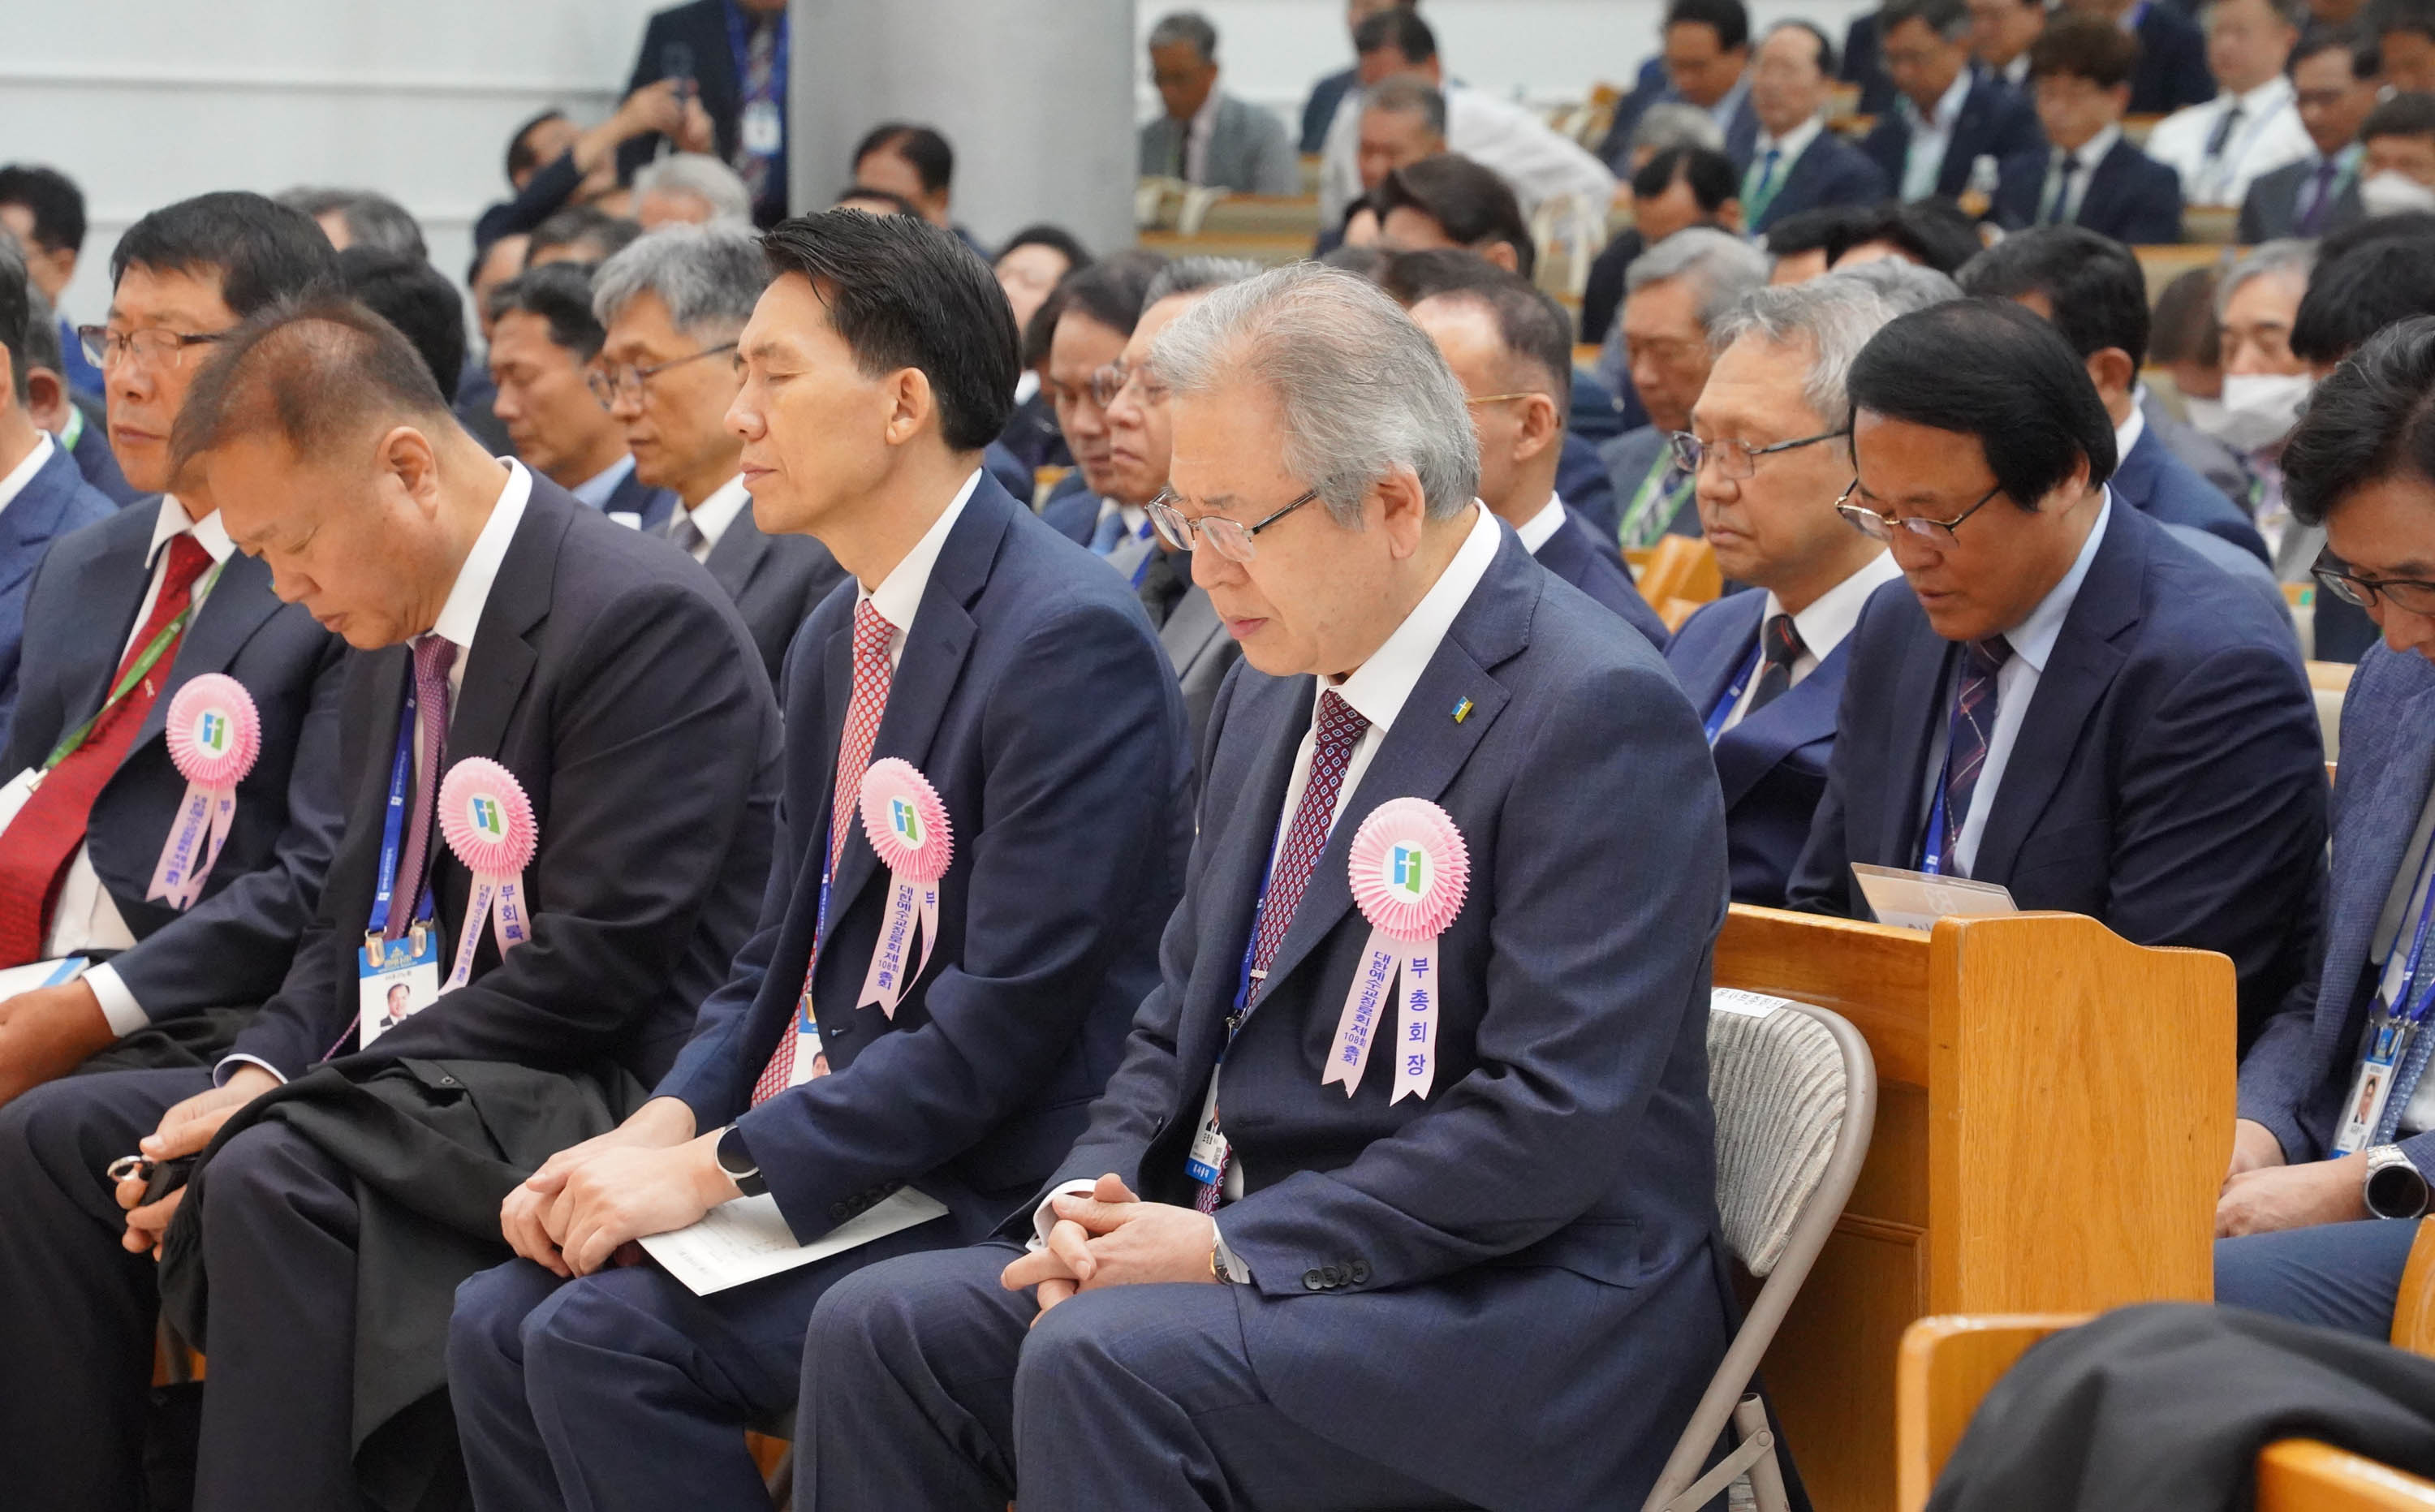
x: 2060, y: 212
x: 760, y: 62
x: 2320, y: 197
x: 47, y: 833
x: 1779, y: 646
x: 1972, y: 723
x: 1759, y: 187
x: 872, y: 635
x: 433, y: 656
x: 1336, y: 730
x: 682, y: 533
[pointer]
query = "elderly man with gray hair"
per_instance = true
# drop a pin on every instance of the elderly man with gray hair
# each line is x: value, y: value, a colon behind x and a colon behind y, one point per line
x: 673, y: 303
x: 1672, y: 294
x: 1204, y: 135
x: 691, y: 189
x: 1516, y: 1180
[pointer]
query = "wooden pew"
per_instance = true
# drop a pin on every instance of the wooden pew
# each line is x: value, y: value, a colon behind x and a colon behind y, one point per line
x: 1679, y: 568
x: 2054, y: 1118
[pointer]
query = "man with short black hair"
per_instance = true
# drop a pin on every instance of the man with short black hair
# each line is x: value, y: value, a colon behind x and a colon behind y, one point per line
x: 2397, y: 163
x: 2060, y: 698
x: 2000, y: 34
x: 44, y: 210
x: 2171, y: 69
x: 1207, y: 136
x: 1328, y: 96
x: 2091, y: 175
x: 543, y: 339
x: 1952, y: 126
x: 2334, y: 88
x: 582, y: 233
x: 2251, y: 128
x: 1100, y: 504
x: 1016, y: 685
x: 551, y: 164
x: 1449, y: 200
x: 359, y: 217
x: 417, y: 298
x: 1705, y: 63
x: 912, y: 161
x: 1797, y: 163
x: 2403, y: 32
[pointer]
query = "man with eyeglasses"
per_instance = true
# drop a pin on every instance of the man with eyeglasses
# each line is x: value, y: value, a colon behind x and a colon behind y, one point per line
x: 2337, y: 1113
x: 673, y: 303
x: 119, y: 618
x: 1100, y: 504
x: 544, y: 339
x: 1770, y: 449
x: 2060, y: 698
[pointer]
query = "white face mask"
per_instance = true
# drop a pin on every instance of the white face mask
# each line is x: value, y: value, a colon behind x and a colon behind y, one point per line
x: 2206, y: 414
x: 2394, y: 194
x: 2260, y: 408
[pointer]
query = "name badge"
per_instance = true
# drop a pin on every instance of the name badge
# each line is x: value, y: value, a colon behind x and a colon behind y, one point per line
x: 2387, y: 1044
x: 395, y: 979
x: 1206, y: 1162
x: 762, y: 128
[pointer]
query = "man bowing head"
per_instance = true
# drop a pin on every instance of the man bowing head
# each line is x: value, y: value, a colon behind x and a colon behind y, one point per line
x: 1421, y: 1098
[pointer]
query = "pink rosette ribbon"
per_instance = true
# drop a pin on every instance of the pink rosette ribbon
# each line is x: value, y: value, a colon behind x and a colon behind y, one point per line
x: 908, y: 827
x: 489, y: 823
x: 213, y: 733
x: 1410, y: 869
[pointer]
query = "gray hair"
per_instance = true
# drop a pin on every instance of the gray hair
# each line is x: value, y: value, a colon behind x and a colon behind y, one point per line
x: 1674, y: 123
x: 1198, y: 274
x: 1364, y: 392
x: 1724, y: 267
x: 702, y: 176
x: 2288, y: 256
x: 1409, y: 95
x: 1837, y: 315
x: 709, y: 277
x: 1187, y: 25
x: 1905, y: 285
x: 372, y: 220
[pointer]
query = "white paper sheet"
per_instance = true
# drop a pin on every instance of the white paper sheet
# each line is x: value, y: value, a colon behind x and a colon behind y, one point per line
x: 1914, y: 900
x: 1749, y: 1004
x: 16, y: 979
x: 747, y: 1239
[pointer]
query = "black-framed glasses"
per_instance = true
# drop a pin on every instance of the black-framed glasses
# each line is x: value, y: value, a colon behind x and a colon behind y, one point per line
x: 2404, y: 593
x: 1881, y: 527
x: 1225, y: 537
x: 1735, y: 461
x: 105, y: 348
x: 610, y: 384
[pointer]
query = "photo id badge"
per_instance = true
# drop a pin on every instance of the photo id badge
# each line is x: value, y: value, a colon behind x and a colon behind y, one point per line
x: 762, y: 128
x: 395, y: 980
x: 2387, y: 1041
x: 1207, y: 1162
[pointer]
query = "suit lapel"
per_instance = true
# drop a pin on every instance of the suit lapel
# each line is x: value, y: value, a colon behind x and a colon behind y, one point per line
x: 2378, y: 825
x: 1915, y: 744
x: 1805, y: 712
x: 738, y: 554
x: 503, y: 655
x: 238, y: 605
x: 108, y: 594
x: 1706, y: 683
x: 1189, y: 629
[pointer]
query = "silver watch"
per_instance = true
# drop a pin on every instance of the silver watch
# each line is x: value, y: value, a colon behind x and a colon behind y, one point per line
x: 2394, y: 1188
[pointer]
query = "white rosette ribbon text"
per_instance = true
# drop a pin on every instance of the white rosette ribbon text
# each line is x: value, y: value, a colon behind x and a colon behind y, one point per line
x: 1410, y: 869
x: 489, y: 823
x: 907, y: 825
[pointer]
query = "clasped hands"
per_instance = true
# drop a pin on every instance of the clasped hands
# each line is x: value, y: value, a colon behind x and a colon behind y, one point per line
x: 1113, y: 1237
x: 589, y: 1202
x: 2262, y: 1193
x: 185, y: 1128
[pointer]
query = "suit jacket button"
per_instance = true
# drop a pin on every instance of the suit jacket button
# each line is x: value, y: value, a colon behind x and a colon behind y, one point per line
x: 1358, y: 1272
x: 1313, y: 1281
x: 1331, y: 1274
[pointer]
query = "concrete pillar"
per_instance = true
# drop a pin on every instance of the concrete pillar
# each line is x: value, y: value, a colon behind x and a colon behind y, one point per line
x: 1037, y: 97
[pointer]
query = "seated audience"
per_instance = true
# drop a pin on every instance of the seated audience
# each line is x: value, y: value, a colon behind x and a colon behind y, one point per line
x: 2397, y: 162
x: 1678, y: 188
x: 2185, y: 341
x: 2090, y: 174
x: 1932, y: 233
x: 1796, y: 245
x: 1903, y: 285
x: 912, y: 161
x: 2334, y: 89
x: 1207, y: 136
x: 1328, y: 96
x: 1675, y: 293
x: 75, y: 422
x: 2253, y: 126
x: 1952, y: 126
x: 414, y: 296
x: 1101, y: 505
x: 1705, y: 63
x: 2265, y: 384
x: 2172, y: 53
x: 1664, y: 127
x: 544, y: 342
x: 690, y: 189
x: 1449, y: 201
x: 2334, y: 1106
x: 1403, y: 120
x: 2000, y: 34
x: 158, y: 586
x: 2115, y: 733
x: 673, y: 306
x: 1770, y: 447
x: 877, y: 367
x: 1031, y: 263
x: 731, y: 56
x: 1864, y: 66
x: 44, y: 210
x: 552, y: 165
x: 877, y: 202
x: 1797, y: 163
x: 358, y: 217
x: 581, y: 234
x: 2403, y: 32
x: 1552, y: 1104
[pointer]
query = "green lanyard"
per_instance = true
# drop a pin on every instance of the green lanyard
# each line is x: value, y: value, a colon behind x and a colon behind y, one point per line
x: 153, y: 650
x: 1628, y: 533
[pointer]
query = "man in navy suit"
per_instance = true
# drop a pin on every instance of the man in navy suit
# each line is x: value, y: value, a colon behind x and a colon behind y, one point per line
x: 1765, y: 668
x: 1019, y: 677
x: 2173, y: 62
x: 732, y: 55
x: 1797, y: 163
x: 1533, y: 1215
x: 43, y: 496
x: 75, y: 422
x: 543, y: 339
x: 2079, y: 71
x: 1948, y: 116
x: 2335, y: 86
x: 2060, y: 698
x: 2336, y: 1128
x: 169, y: 985
x: 1706, y: 63
x: 1511, y: 348
x: 1099, y: 505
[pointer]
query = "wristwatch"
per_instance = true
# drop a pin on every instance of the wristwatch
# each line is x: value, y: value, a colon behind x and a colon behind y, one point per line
x: 738, y: 1163
x: 2394, y: 1188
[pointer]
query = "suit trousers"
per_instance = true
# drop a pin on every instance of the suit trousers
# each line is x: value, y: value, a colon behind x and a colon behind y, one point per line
x: 623, y: 1388
x: 2344, y: 1276
x: 926, y: 1384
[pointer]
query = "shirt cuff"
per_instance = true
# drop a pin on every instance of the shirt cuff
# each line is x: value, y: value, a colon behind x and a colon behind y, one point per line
x: 227, y: 1067
x: 118, y: 1004
x: 1229, y: 1265
x: 1044, y: 1218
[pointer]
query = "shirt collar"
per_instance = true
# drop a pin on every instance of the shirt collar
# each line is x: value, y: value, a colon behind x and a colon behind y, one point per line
x: 461, y: 614
x: 1542, y: 527
x: 1377, y: 689
x: 23, y: 474
x: 899, y: 593
x: 171, y: 523
x: 2091, y: 152
x: 2272, y: 95
x: 1832, y: 615
x: 713, y: 515
x: 1133, y: 515
x: 2126, y: 435
x: 1948, y: 105
x: 2033, y: 639
x: 1723, y: 112
x: 1793, y: 143
x: 595, y: 490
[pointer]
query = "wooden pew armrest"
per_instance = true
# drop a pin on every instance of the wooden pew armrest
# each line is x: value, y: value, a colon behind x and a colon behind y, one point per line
x: 1946, y: 1364
x: 2302, y: 1475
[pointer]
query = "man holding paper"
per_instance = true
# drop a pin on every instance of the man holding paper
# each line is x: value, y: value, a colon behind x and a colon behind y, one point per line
x: 1418, y: 1111
x: 985, y: 823
x: 2060, y: 698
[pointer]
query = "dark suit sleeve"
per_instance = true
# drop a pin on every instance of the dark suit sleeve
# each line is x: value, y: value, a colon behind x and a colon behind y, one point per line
x: 1076, y: 737
x: 544, y: 194
x: 2251, y: 227
x: 2158, y: 203
x: 2019, y: 131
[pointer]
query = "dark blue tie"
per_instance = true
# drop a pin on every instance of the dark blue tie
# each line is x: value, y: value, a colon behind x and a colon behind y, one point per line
x: 1972, y: 723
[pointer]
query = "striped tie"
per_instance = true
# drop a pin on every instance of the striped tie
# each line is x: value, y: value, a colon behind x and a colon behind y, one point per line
x: 1973, y: 721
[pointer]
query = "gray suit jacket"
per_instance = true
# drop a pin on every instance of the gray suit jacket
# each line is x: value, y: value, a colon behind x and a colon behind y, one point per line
x: 775, y: 580
x: 1249, y: 150
x: 1202, y: 653
x: 2271, y: 210
x: 1628, y: 457
x: 2203, y: 455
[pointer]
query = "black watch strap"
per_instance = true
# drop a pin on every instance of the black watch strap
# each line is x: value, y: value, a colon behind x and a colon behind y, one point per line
x: 738, y: 1163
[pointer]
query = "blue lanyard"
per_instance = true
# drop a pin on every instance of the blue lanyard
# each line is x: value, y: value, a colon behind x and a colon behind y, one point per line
x: 1141, y: 568
x: 742, y: 47
x: 401, y: 770
x: 2408, y: 1010
x: 1931, y: 845
x: 1724, y: 709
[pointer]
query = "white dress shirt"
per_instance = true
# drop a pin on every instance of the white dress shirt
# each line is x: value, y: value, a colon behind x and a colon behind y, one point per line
x: 1542, y: 527
x: 595, y: 490
x: 899, y: 593
x: 713, y: 515
x: 1788, y: 149
x: 2016, y: 688
x: 23, y: 474
x: 85, y: 918
x: 2395, y: 929
x: 1197, y: 133
x: 1822, y: 626
x: 1930, y: 136
x: 1536, y: 163
x: 2268, y: 136
x: 2087, y: 156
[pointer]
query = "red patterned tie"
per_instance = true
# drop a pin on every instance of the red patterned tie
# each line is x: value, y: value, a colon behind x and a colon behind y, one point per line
x: 1338, y: 729
x: 872, y: 636
x: 44, y: 836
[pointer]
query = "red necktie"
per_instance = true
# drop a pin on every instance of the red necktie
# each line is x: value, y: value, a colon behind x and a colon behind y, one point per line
x: 872, y: 636
x: 44, y: 836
